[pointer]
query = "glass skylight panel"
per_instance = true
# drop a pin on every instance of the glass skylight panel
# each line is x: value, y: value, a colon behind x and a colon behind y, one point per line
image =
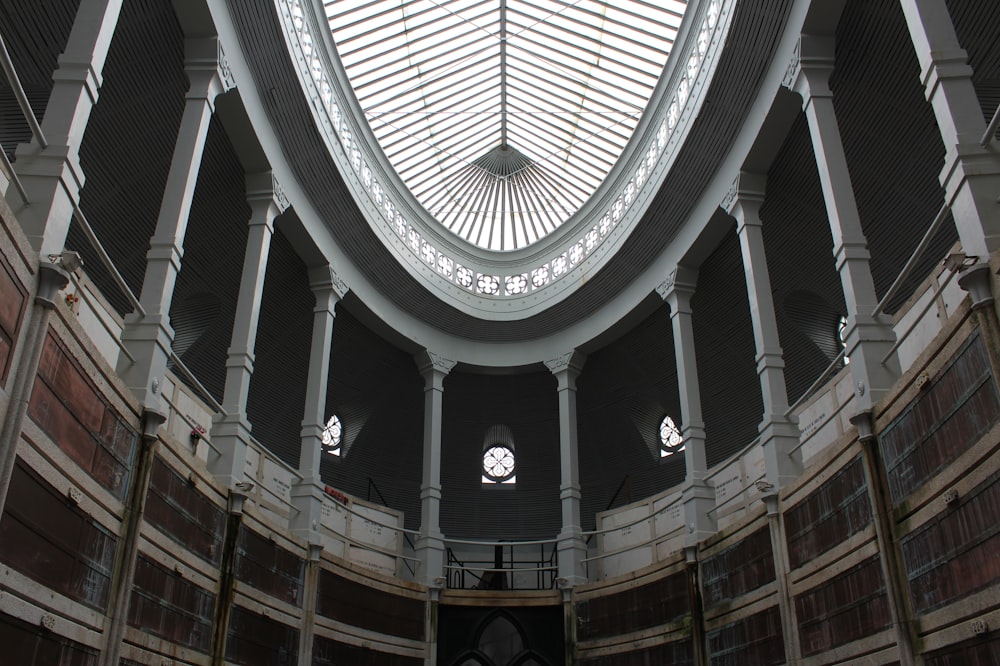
x: 503, y: 116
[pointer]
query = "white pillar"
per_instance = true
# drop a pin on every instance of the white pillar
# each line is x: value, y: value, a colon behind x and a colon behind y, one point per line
x: 149, y: 337
x: 231, y: 431
x: 697, y: 495
x: 779, y: 434
x: 307, y: 494
x: 971, y: 174
x: 868, y: 338
x: 430, y: 544
x: 571, y: 549
x: 52, y: 176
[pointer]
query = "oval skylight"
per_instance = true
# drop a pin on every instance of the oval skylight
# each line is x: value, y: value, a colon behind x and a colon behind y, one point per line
x: 503, y: 116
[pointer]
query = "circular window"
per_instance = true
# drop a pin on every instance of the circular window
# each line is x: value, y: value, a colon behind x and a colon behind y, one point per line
x: 498, y: 463
x: 671, y: 440
x: 332, y: 435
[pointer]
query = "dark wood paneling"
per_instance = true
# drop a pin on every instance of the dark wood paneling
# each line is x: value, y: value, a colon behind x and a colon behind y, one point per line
x: 678, y: 653
x: 950, y: 415
x: 68, y: 407
x: 362, y: 606
x: 831, y: 514
x: 166, y: 605
x: 23, y: 644
x: 12, y: 300
x: 269, y: 567
x: 739, y: 569
x: 51, y: 541
x: 657, y: 603
x: 177, y: 509
x: 254, y: 640
x: 850, y: 606
x: 981, y: 651
x: 756, y: 639
x: 328, y: 652
x: 955, y: 553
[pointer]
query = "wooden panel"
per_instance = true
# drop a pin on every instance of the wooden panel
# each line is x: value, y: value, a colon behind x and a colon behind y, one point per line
x: 51, y: 541
x: 31, y: 645
x: 254, y: 640
x: 955, y: 553
x: 832, y: 513
x: 678, y: 653
x: 756, y: 639
x: 739, y: 569
x: 850, y: 606
x: 960, y: 405
x: 657, y: 603
x: 360, y: 605
x: 328, y: 652
x: 12, y: 300
x: 166, y: 605
x: 68, y: 407
x: 269, y: 567
x: 177, y: 509
x: 982, y: 651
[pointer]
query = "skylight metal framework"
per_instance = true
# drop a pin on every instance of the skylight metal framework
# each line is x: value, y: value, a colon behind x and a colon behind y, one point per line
x: 503, y: 116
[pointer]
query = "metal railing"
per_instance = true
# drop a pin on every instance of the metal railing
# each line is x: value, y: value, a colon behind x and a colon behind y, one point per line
x: 508, y: 570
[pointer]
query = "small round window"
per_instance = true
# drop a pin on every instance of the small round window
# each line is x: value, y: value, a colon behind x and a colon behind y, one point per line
x: 671, y: 440
x: 498, y: 464
x: 332, y: 436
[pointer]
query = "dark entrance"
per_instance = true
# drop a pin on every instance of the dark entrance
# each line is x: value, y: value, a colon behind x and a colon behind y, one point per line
x: 487, y: 636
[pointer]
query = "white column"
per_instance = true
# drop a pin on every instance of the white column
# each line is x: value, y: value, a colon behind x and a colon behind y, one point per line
x: 307, y: 494
x: 149, y: 337
x: 697, y: 495
x: 430, y: 544
x: 971, y: 174
x: 779, y: 434
x: 231, y: 431
x: 52, y: 176
x: 868, y: 338
x: 571, y: 549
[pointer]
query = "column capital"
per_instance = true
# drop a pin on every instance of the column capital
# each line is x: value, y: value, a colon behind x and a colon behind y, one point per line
x: 430, y: 364
x: 207, y: 68
x: 745, y: 195
x: 678, y: 288
x: 325, y: 282
x: 568, y: 365
x: 810, y: 66
x: 263, y: 188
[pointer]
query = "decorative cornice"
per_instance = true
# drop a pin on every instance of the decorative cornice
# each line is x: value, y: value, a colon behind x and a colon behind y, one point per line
x: 225, y: 71
x: 324, y: 277
x: 571, y: 360
x: 667, y: 286
x: 280, y: 200
x: 792, y: 71
x: 428, y: 361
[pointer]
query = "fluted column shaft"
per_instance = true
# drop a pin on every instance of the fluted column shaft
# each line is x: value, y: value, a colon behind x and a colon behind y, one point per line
x: 971, y: 173
x: 307, y: 494
x: 52, y: 176
x: 430, y: 544
x: 779, y: 434
x: 571, y: 548
x: 868, y: 338
x: 231, y: 431
x: 149, y: 337
x: 697, y: 495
